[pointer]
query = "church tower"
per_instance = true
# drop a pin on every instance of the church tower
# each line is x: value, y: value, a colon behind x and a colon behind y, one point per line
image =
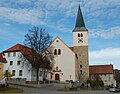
x: 80, y: 42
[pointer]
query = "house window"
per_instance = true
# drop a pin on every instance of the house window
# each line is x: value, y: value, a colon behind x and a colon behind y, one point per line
x: 109, y: 78
x: 55, y: 52
x: 14, y: 54
x: 11, y: 63
x: 59, y: 51
x: 41, y: 73
x: 80, y: 66
x: 3, y: 54
x: 57, y: 68
x: 13, y: 72
x: 80, y: 71
x: 45, y: 74
x: 8, y: 54
x: 105, y: 80
x: 18, y: 62
x: 20, y: 72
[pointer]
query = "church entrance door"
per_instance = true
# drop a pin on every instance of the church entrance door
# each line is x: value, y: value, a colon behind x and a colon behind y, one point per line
x: 57, y: 77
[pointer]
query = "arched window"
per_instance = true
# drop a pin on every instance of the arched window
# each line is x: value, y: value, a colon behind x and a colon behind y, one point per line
x: 55, y: 52
x: 78, y: 35
x: 81, y: 35
x: 59, y: 51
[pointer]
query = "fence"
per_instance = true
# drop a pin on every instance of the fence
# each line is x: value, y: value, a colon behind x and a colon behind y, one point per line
x: 22, y: 82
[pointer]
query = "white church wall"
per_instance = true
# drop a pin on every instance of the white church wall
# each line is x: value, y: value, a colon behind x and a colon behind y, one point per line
x: 65, y: 61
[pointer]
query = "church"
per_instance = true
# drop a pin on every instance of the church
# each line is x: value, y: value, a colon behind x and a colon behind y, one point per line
x: 71, y: 63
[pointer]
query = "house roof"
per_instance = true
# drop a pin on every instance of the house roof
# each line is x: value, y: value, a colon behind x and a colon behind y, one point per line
x: 3, y: 60
x: 27, y: 53
x: 15, y: 48
x: 101, y: 69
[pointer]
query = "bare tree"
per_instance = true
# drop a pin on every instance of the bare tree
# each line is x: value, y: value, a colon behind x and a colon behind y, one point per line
x: 38, y: 53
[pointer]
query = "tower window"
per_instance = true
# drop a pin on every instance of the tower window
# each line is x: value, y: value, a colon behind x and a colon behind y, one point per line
x: 59, y: 51
x: 80, y: 66
x: 81, y: 35
x: 55, y: 52
x: 80, y: 71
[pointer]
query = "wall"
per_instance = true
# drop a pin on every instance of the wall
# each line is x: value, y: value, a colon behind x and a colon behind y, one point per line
x: 85, y: 38
x: 108, y: 79
x: 1, y: 71
x: 25, y: 66
x: 65, y: 61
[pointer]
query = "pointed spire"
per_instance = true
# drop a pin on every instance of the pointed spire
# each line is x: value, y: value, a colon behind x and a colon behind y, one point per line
x: 79, y: 21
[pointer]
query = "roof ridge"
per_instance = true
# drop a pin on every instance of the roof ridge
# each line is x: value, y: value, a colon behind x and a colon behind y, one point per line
x: 102, y: 65
x: 17, y: 47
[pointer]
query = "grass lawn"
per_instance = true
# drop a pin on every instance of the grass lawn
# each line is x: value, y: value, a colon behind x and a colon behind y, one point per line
x: 11, y: 90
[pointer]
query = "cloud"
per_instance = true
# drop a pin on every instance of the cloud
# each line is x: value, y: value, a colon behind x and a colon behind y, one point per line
x: 50, y: 12
x: 23, y: 16
x: 106, y: 56
x: 110, y: 33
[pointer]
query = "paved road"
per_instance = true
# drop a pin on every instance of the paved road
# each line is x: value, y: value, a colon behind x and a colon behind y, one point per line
x: 53, y: 90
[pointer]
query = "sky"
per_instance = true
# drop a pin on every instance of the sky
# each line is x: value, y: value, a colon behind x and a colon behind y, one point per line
x: 58, y: 17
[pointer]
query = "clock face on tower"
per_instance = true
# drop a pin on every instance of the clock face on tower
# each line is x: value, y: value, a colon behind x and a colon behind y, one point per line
x: 80, y: 40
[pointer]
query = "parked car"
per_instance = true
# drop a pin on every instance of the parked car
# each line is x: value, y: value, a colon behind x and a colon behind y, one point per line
x: 114, y: 89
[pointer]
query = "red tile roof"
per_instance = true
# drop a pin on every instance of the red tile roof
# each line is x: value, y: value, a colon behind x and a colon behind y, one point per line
x: 101, y: 69
x: 3, y: 60
x: 15, y: 48
x: 26, y: 51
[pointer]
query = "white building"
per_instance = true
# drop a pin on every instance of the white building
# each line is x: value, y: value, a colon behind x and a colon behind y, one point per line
x: 65, y: 62
x: 17, y: 65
